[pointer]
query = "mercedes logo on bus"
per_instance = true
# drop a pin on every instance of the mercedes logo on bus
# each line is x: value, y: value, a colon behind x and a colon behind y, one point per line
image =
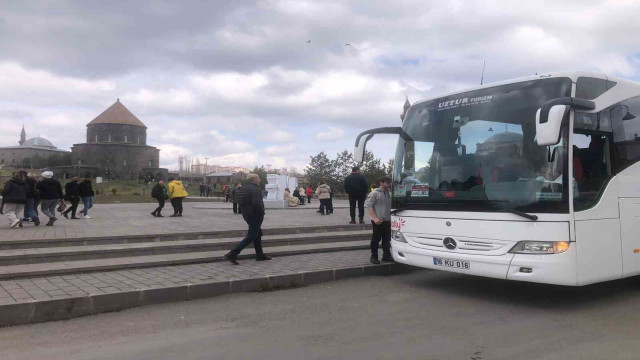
x: 449, y: 243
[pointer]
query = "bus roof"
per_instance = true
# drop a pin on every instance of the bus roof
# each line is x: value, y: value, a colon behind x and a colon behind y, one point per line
x: 573, y: 75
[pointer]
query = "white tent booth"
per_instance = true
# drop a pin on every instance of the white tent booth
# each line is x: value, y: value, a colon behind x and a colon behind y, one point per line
x: 275, y: 190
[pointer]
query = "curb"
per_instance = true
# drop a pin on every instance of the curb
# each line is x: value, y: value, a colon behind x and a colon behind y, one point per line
x: 68, y: 308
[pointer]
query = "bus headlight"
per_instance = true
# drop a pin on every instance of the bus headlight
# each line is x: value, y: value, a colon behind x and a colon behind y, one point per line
x: 540, y: 247
x: 397, y: 236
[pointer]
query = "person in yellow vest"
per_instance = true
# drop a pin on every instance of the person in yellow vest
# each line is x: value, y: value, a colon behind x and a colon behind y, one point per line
x: 176, y: 194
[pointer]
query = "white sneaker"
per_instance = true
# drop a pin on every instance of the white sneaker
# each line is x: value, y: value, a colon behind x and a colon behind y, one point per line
x: 15, y: 224
x: 87, y: 217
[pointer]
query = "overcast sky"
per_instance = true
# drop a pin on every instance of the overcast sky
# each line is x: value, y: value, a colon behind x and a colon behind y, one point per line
x: 239, y: 81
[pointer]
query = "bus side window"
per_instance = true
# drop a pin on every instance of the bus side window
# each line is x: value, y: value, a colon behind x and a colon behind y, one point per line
x: 591, y: 167
x: 625, y: 119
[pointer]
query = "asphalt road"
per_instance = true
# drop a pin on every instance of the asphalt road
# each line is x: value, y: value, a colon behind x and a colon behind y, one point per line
x: 422, y: 315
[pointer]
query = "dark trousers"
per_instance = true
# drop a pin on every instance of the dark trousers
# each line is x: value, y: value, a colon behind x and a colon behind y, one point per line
x: 74, y: 200
x: 381, y: 232
x: 353, y: 199
x: 160, y: 206
x: 236, y: 208
x: 325, y: 206
x: 309, y: 199
x: 177, y: 205
x: 254, y: 235
x: 330, y: 205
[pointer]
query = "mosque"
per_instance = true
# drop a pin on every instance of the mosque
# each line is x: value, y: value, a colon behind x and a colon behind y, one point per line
x: 31, y: 153
x: 115, y: 148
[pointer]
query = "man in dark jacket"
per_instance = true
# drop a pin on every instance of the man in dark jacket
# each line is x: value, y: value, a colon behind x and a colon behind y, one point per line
x: 86, y: 195
x: 14, y: 199
x: 356, y: 186
x: 250, y: 200
x: 50, y: 194
x: 72, y: 194
x: 159, y: 192
x: 234, y: 198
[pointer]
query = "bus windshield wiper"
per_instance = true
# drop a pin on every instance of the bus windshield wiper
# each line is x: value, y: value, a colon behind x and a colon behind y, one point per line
x: 511, y: 210
x: 416, y: 206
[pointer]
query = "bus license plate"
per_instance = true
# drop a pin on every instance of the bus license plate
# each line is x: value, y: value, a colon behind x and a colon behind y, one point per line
x: 452, y: 263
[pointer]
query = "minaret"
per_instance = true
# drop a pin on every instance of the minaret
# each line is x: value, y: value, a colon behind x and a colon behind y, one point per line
x: 23, y: 136
x: 405, y: 108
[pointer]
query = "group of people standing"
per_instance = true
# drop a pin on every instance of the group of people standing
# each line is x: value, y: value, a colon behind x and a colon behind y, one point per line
x: 378, y: 204
x: 175, y: 193
x: 23, y: 193
x: 205, y: 190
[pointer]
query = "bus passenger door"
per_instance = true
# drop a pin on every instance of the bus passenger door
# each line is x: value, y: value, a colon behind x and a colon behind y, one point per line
x: 596, y: 208
x: 630, y: 232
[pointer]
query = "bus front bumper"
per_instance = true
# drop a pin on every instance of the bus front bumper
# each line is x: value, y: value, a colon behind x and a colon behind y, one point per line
x: 559, y: 269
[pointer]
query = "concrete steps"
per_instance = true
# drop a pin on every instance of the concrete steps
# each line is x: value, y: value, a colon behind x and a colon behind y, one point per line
x: 28, y: 258
x: 68, y: 267
x: 155, y: 237
x: 94, y: 252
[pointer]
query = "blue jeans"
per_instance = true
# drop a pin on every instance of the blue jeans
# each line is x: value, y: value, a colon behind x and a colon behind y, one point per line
x: 30, y: 209
x: 87, y: 201
x: 253, y: 235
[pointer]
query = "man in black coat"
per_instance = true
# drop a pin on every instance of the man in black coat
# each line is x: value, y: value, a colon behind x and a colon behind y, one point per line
x: 356, y: 186
x: 86, y: 195
x: 50, y: 194
x: 72, y: 194
x: 250, y: 201
x: 234, y: 198
x: 14, y: 199
x: 159, y: 192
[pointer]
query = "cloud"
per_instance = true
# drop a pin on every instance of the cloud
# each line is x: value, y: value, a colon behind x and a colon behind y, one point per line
x: 238, y: 81
x: 279, y: 150
x: 334, y: 133
x: 276, y: 136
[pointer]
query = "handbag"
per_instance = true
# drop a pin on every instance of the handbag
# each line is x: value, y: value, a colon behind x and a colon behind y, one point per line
x: 62, y: 206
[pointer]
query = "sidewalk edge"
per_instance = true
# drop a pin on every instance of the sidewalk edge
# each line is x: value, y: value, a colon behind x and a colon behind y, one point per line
x: 72, y: 307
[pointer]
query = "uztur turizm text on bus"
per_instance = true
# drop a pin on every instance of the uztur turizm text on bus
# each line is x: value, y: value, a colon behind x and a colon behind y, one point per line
x: 534, y: 179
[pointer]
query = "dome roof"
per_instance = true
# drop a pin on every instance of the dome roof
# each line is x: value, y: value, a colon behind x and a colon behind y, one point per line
x: 39, y: 142
x: 504, y: 137
x: 117, y: 114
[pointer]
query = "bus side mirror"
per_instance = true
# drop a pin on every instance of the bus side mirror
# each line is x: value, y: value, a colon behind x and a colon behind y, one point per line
x: 549, y: 118
x: 361, y: 140
x: 361, y: 143
x: 548, y: 128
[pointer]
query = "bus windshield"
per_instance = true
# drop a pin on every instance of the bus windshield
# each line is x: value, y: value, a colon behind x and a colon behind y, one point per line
x: 476, y: 151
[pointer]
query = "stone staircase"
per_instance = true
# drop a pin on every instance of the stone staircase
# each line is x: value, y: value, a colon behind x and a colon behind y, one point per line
x: 47, y: 257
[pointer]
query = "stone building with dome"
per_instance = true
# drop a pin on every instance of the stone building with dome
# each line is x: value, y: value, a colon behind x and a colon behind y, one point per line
x: 115, y: 148
x: 31, y: 153
x: 506, y: 143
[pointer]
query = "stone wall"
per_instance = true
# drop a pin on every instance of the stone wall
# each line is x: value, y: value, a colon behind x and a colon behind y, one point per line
x: 116, y: 160
x: 14, y: 156
x: 116, y: 133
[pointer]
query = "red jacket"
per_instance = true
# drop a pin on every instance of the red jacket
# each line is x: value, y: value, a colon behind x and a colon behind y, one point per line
x: 309, y: 191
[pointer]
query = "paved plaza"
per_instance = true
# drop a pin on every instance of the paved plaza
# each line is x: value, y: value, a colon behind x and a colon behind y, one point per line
x: 135, y: 219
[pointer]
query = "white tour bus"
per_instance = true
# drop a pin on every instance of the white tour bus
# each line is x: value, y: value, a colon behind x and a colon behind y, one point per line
x: 534, y: 179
